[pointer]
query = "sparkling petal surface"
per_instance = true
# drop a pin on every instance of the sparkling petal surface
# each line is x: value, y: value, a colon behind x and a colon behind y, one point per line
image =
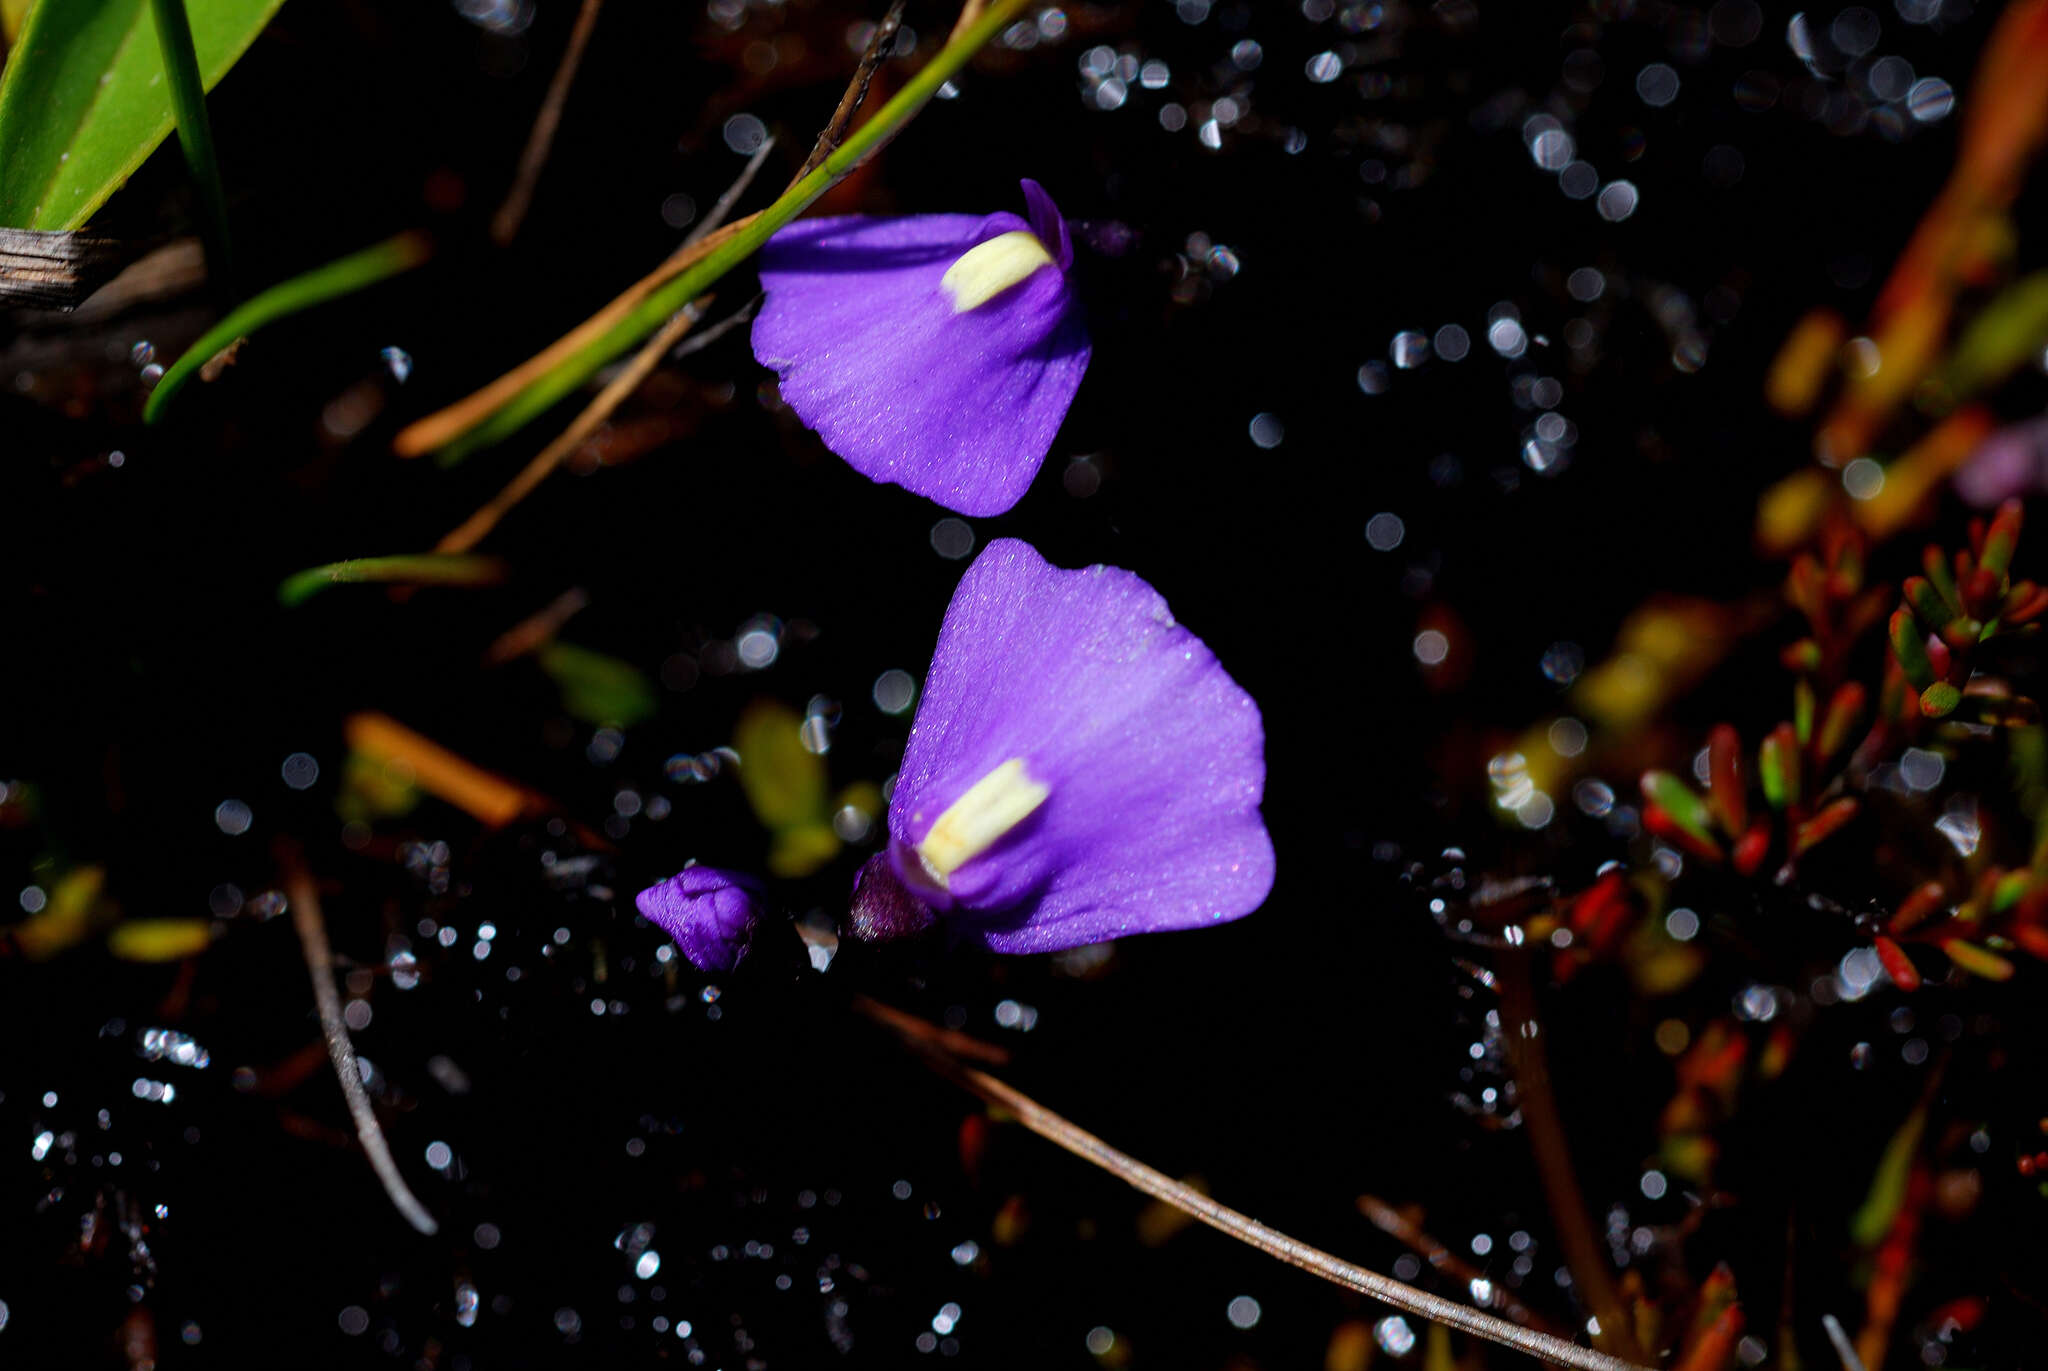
x: 709, y: 912
x: 960, y: 407
x: 1154, y: 757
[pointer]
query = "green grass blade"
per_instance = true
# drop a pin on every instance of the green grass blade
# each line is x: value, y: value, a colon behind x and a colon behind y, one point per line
x: 417, y: 569
x: 84, y: 99
x: 343, y: 276
x: 538, y: 398
x: 195, y: 130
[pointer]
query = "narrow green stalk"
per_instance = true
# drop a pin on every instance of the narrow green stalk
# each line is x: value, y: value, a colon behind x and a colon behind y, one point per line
x: 538, y: 398
x: 195, y: 133
x: 342, y: 276
x: 418, y: 569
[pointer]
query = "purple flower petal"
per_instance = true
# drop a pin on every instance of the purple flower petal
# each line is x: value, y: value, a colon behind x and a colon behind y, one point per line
x: 959, y: 405
x: 1080, y: 768
x: 710, y: 913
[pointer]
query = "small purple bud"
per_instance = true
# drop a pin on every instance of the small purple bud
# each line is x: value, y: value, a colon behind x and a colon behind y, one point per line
x: 710, y: 913
x: 883, y: 908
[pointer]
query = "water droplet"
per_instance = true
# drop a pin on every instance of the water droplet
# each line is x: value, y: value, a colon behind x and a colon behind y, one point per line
x: 233, y: 817
x: 895, y: 691
x: 1617, y: 201
x: 398, y: 362
x: 1578, y: 181
x: 1930, y: 99
x: 1325, y: 67
x: 143, y: 353
x: 1553, y: 149
x: 151, y: 374
x: 952, y: 538
x: 1657, y: 85
x: 1394, y: 1336
x: 1855, y: 30
x: 744, y: 134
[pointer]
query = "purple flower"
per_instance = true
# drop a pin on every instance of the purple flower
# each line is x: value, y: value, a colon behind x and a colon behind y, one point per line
x: 710, y: 913
x: 938, y: 352
x: 1080, y: 768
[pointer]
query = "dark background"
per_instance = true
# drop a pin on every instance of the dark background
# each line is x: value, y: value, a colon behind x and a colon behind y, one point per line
x: 1293, y: 1060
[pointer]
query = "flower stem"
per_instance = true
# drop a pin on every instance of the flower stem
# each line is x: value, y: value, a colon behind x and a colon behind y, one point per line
x: 195, y: 132
x: 649, y: 314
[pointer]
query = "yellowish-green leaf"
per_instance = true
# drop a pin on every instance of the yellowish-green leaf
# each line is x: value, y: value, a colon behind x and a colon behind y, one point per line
x: 1888, y: 1185
x: 598, y: 689
x: 12, y: 12
x: 160, y: 940
x: 801, y: 850
x: 784, y: 781
x: 70, y: 915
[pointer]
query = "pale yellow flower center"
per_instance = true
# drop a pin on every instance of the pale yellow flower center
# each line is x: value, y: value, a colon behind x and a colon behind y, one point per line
x: 988, y: 269
x: 975, y: 822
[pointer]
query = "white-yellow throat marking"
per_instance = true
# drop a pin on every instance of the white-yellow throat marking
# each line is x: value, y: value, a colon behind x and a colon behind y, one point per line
x: 988, y: 269
x: 975, y: 822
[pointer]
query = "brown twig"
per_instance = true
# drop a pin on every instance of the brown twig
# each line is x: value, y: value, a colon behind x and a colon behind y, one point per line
x: 305, y: 903
x: 871, y: 60
x: 537, y: 628
x: 445, y: 425
x: 477, y: 526
x: 1394, y: 1224
x: 505, y: 223
x: 930, y: 1035
x: 1085, y: 1145
x: 1553, y: 1157
x: 723, y: 206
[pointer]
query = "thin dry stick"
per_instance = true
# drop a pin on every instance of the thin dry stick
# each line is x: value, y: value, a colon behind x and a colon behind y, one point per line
x: 1394, y: 1224
x: 871, y: 60
x: 505, y: 223
x: 704, y: 338
x: 477, y: 526
x: 930, y: 1035
x: 1843, y: 1348
x: 445, y: 425
x: 312, y: 929
x: 1553, y: 1157
x: 710, y: 222
x: 928, y: 1040
x: 537, y: 628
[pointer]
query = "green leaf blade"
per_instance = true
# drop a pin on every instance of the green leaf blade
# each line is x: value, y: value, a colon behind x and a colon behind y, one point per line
x: 83, y: 100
